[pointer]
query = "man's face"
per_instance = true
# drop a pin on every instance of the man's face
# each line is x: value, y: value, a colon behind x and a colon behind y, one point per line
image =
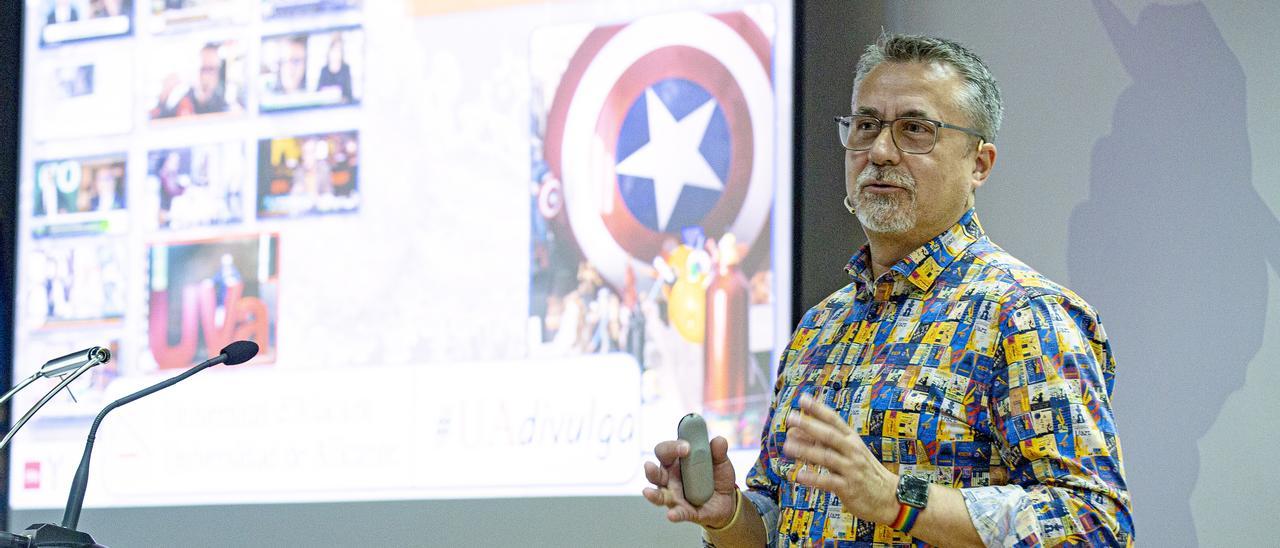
x: 897, y: 193
x: 293, y: 66
x: 210, y: 66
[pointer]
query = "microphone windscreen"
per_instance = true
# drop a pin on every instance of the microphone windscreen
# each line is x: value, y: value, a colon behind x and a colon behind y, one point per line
x: 240, y: 351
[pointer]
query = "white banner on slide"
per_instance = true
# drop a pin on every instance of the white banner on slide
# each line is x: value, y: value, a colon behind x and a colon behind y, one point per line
x: 270, y: 434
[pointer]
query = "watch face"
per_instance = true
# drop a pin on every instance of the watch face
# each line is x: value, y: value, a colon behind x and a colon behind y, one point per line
x: 913, y: 491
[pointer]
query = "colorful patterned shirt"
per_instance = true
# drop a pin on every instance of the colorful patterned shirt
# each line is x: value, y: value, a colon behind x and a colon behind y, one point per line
x: 964, y: 366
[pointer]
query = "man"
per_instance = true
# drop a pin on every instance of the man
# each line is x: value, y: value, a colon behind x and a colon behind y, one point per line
x: 949, y: 395
x: 209, y: 93
x: 293, y: 66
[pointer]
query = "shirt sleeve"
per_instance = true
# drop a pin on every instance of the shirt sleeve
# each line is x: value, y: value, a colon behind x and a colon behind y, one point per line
x: 767, y: 507
x: 1050, y: 412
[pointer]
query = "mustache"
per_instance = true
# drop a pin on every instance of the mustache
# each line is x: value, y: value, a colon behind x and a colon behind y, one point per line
x: 890, y: 175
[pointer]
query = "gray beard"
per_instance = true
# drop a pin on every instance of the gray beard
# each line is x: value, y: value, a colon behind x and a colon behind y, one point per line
x: 885, y: 214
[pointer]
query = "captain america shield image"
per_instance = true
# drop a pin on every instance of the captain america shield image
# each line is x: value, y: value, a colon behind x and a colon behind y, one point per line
x: 653, y: 186
x: 659, y: 125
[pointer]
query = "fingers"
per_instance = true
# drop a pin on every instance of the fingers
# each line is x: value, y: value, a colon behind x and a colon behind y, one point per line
x: 656, y: 475
x: 670, y: 498
x: 677, y: 510
x: 719, y: 450
x: 811, y: 430
x: 798, y: 433
x: 809, y: 453
x: 658, y: 496
x: 663, y: 477
x: 819, y: 436
x: 829, y: 482
x: 670, y: 450
x: 653, y: 495
x: 668, y: 491
x: 719, y: 510
x: 820, y: 466
x: 681, y: 513
x: 823, y: 414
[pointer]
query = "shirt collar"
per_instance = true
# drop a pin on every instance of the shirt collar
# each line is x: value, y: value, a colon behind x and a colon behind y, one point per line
x: 922, y: 266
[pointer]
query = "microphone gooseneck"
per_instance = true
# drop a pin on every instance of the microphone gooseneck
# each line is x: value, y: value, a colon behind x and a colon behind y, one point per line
x: 81, y: 362
x: 234, y: 353
x: 18, y: 387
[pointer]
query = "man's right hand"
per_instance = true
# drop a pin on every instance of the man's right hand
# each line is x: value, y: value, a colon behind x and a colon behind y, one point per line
x: 668, y: 491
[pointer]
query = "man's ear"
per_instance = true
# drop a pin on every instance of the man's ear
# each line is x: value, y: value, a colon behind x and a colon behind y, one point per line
x: 983, y: 160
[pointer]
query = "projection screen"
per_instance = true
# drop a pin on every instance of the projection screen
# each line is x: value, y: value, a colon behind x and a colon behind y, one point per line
x: 488, y: 249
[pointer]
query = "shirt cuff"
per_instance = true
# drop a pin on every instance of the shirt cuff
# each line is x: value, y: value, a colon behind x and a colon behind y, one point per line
x: 764, y: 505
x: 767, y: 507
x: 732, y: 534
x: 1003, y: 515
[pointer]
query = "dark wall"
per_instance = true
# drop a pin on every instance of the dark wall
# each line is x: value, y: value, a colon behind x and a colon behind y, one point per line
x: 10, y: 78
x: 830, y: 36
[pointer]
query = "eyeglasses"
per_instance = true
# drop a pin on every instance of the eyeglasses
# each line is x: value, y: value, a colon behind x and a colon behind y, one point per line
x: 910, y: 135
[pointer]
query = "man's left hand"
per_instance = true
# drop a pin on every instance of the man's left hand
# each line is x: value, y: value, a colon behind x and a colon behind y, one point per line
x: 835, y: 459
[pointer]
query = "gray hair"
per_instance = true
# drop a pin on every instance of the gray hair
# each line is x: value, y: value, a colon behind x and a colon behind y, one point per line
x: 980, y: 98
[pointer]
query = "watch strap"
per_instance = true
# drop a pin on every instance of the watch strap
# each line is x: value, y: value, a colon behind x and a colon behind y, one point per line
x: 906, y: 519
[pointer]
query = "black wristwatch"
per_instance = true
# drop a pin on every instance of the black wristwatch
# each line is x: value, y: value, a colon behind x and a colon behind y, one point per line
x: 913, y: 495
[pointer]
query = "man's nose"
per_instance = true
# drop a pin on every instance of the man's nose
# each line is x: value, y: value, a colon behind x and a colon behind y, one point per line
x: 883, y: 150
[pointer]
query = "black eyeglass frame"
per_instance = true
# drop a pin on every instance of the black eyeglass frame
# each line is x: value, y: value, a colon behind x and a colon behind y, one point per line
x: 847, y: 121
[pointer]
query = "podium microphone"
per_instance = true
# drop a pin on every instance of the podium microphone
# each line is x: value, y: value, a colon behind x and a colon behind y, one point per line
x: 51, y: 535
x: 235, y: 353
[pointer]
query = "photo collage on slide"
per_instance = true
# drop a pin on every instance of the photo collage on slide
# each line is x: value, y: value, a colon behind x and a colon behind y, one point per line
x: 175, y: 142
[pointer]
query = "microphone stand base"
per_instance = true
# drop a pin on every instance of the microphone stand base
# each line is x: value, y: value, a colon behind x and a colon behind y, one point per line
x: 48, y: 534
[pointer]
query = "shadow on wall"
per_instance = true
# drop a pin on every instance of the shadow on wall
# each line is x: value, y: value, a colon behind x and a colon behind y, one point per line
x: 1172, y: 247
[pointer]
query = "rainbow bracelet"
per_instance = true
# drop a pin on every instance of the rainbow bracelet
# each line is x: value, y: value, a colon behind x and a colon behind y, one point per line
x: 906, y: 518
